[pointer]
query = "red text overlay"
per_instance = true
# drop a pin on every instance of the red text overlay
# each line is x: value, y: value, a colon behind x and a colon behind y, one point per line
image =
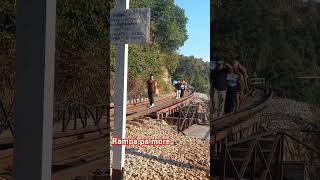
x: 140, y: 142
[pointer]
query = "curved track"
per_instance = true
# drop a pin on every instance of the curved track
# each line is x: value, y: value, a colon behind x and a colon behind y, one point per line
x: 77, y: 149
x: 233, y: 123
x: 86, y: 149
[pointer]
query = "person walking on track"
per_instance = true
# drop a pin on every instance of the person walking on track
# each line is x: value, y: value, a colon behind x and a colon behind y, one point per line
x: 178, y: 90
x: 183, y: 88
x: 220, y: 86
x: 241, y: 72
x: 233, y: 85
x: 152, y: 87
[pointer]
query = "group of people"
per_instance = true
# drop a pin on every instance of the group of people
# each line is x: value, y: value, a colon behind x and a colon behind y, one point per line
x: 230, y: 84
x: 180, y: 88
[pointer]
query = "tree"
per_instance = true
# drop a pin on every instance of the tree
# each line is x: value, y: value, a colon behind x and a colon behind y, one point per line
x: 195, y: 72
x: 168, y: 33
x: 278, y: 39
x: 81, y: 50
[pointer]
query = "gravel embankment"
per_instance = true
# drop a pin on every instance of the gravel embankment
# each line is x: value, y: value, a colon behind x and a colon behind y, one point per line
x: 290, y: 114
x: 203, y: 101
x: 184, y: 158
x: 200, y: 98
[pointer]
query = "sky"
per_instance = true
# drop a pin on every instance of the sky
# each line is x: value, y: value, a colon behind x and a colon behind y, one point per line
x: 198, y: 28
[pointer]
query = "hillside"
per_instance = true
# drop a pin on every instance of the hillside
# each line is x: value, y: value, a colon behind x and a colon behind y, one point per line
x: 278, y: 39
x: 168, y: 33
x: 195, y: 72
x: 83, y: 66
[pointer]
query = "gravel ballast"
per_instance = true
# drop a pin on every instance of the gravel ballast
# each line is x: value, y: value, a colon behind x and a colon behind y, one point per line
x: 184, y: 158
x: 296, y: 116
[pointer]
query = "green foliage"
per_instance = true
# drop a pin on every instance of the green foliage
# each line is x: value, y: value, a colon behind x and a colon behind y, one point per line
x: 166, y: 88
x: 195, y: 72
x: 7, y: 53
x: 278, y: 39
x: 171, y: 62
x: 7, y: 16
x: 81, y: 51
x: 168, y: 23
x: 168, y: 33
x: 81, y: 63
x: 81, y: 25
x: 142, y: 61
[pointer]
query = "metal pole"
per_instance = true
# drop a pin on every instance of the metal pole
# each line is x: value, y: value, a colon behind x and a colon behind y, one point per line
x: 214, y: 160
x: 281, y: 156
x: 224, y: 160
x: 120, y: 103
x: 254, y: 163
x: 34, y: 89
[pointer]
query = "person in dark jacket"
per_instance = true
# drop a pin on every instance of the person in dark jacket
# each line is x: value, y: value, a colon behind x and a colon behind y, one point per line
x: 233, y: 86
x: 220, y: 86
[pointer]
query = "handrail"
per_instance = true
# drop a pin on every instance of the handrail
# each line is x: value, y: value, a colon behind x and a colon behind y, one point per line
x: 257, y: 81
x: 278, y: 132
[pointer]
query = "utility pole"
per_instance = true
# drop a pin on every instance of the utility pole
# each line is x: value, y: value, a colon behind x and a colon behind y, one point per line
x: 34, y: 89
x: 120, y: 104
x: 122, y: 33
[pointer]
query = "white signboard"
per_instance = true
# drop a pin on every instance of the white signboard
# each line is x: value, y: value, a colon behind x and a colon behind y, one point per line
x: 130, y: 26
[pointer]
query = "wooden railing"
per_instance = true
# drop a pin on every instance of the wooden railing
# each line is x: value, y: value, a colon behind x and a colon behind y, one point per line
x: 257, y: 81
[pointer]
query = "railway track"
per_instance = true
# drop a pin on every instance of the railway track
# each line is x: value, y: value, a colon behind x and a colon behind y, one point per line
x: 77, y: 149
x: 134, y: 110
x: 233, y: 124
x: 234, y: 128
x: 242, y: 148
